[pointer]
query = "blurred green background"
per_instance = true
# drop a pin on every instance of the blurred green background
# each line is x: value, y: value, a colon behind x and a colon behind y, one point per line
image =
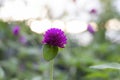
x: 21, y: 59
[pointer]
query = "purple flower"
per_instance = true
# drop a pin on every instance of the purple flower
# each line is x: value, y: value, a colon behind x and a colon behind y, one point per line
x: 90, y: 29
x: 16, y: 30
x: 22, y: 39
x: 93, y: 11
x: 55, y: 37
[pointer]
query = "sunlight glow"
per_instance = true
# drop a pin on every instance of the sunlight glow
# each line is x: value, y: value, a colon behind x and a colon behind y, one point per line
x: 40, y: 26
x: 17, y: 10
x: 76, y: 26
x: 58, y: 24
x: 113, y: 24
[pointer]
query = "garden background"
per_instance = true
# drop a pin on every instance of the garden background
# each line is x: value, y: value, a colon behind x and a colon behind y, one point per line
x: 21, y: 54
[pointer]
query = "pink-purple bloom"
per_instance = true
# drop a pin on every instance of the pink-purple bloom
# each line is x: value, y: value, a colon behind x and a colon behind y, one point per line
x: 90, y: 29
x: 16, y: 30
x: 93, y: 11
x: 55, y: 37
x: 22, y: 39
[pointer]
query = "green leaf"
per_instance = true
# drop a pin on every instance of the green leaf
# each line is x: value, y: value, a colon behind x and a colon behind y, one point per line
x: 108, y: 65
x: 49, y: 52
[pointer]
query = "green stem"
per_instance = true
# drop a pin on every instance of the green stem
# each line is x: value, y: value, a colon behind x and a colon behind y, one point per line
x: 51, y: 69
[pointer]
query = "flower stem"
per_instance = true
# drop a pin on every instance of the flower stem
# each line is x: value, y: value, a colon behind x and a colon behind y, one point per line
x: 51, y: 69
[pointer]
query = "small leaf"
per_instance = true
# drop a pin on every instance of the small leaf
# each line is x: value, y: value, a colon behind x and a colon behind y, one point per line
x: 49, y: 52
x: 108, y: 65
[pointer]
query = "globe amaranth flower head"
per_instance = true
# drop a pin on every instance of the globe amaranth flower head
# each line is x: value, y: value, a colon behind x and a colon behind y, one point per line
x: 16, y: 30
x: 93, y: 11
x: 55, y: 37
x: 22, y: 39
x: 90, y: 29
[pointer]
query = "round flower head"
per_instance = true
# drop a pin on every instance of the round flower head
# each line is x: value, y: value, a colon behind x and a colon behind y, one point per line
x: 55, y: 37
x: 16, y: 30
x: 22, y: 39
x: 90, y: 29
x: 93, y: 11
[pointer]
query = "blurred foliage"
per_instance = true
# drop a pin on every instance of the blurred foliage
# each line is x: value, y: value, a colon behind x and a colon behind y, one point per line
x: 25, y: 61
